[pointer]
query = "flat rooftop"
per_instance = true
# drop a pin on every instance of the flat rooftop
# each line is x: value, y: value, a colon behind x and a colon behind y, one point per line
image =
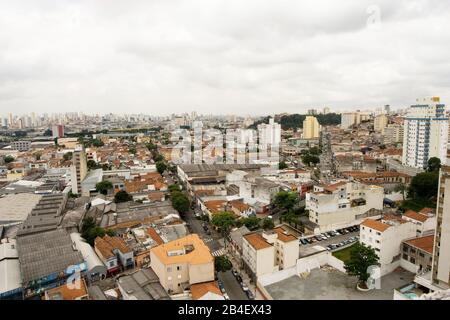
x: 331, y: 284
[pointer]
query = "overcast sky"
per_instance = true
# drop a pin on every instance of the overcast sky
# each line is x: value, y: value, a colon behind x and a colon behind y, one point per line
x: 223, y: 57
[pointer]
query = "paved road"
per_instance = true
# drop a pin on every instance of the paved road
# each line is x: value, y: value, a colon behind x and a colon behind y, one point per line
x: 195, y: 226
x: 232, y: 286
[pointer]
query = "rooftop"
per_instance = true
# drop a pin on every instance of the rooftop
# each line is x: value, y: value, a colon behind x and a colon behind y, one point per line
x: 46, y: 253
x: 66, y: 292
x: 415, y: 216
x: 17, y: 207
x: 142, y: 285
x: 200, y: 289
x: 423, y: 243
x: 190, y: 249
x: 257, y: 241
x: 375, y: 224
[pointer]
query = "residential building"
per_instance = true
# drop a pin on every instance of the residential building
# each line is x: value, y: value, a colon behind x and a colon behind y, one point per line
x: 141, y: 285
x: 417, y: 254
x: 58, y: 131
x: 441, y: 254
x: 343, y: 204
x: 425, y: 133
x: 386, y: 236
x: 269, y: 134
x: 393, y: 133
x: 269, y: 251
x: 21, y: 145
x: 206, y: 291
x: 69, y: 291
x: 79, y: 170
x: 424, y: 221
x: 380, y: 122
x: 311, y: 128
x: 182, y: 263
x: 114, y: 253
x: 349, y: 119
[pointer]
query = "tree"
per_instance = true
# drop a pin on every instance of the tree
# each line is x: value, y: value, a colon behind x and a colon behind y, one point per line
x: 68, y: 156
x: 309, y: 159
x: 103, y: 187
x: 157, y: 157
x: 9, y: 159
x: 424, y: 185
x: 402, y: 188
x: 434, y: 164
x: 174, y: 188
x: 224, y: 221
x: 91, y: 164
x: 361, y: 258
x: 222, y: 264
x: 282, y: 165
x: 180, y: 202
x: 122, y: 196
x: 251, y: 222
x: 90, y: 231
x: 161, y: 167
x: 285, y: 200
x: 37, y: 156
x: 268, y: 224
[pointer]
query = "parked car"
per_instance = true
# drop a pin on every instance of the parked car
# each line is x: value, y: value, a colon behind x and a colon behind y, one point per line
x: 303, y: 241
x: 313, y: 240
x: 308, y: 240
x: 250, y: 295
x: 239, y: 278
x: 318, y: 238
x: 244, y: 287
x: 226, y: 296
x: 221, y: 286
x: 235, y: 272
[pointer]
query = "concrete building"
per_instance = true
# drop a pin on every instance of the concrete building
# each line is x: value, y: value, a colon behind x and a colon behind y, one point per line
x: 441, y: 259
x: 311, y: 128
x: 349, y: 119
x: 95, y: 269
x: 343, y: 204
x: 393, y: 133
x: 182, y: 262
x: 269, y: 134
x: 141, y: 285
x: 10, y: 280
x: 417, y: 254
x: 380, y: 122
x: 21, y: 145
x: 425, y: 133
x: 114, y: 253
x: 386, y: 236
x: 79, y: 170
x: 268, y: 252
x: 58, y: 131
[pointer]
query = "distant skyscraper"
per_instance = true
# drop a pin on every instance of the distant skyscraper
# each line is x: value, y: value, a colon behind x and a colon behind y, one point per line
x: 326, y: 110
x: 311, y: 128
x: 387, y: 108
x: 312, y: 112
x: 58, y: 131
x: 441, y: 252
x: 425, y: 133
x: 349, y: 119
x: 270, y: 134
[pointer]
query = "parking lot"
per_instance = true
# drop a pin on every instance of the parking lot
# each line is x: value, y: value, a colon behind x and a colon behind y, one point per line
x: 331, y: 240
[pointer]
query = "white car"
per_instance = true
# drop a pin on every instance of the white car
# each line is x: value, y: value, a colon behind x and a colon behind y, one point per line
x: 244, y: 287
x: 226, y: 296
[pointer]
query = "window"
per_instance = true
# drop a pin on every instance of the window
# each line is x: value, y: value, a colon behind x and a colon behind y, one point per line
x: 111, y: 264
x: 413, y: 260
x: 178, y: 268
x: 378, y: 233
x: 169, y: 269
x: 405, y: 249
x: 405, y: 256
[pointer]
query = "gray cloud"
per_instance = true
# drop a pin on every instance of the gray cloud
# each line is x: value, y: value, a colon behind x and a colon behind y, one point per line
x: 246, y: 57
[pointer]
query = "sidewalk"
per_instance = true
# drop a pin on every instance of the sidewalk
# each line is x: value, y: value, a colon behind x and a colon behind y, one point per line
x: 244, y: 276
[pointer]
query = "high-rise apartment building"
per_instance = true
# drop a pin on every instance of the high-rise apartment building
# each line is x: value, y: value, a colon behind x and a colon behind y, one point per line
x: 58, y: 131
x: 393, y: 133
x: 349, y: 119
x: 311, y: 128
x: 380, y: 122
x: 425, y: 133
x: 269, y: 134
x: 78, y: 170
x: 441, y: 252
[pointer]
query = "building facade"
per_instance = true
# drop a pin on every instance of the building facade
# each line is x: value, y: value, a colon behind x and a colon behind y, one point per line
x: 425, y: 133
x: 311, y: 128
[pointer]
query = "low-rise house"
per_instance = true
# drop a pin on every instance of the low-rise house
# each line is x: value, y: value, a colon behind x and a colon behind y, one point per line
x: 181, y: 263
x: 236, y: 241
x: 114, y: 253
x: 417, y: 254
x: 70, y: 291
x: 141, y: 285
x: 10, y: 280
x: 425, y: 220
x: 206, y: 291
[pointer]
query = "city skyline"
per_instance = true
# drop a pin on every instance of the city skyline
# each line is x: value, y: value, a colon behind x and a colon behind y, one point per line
x: 161, y: 58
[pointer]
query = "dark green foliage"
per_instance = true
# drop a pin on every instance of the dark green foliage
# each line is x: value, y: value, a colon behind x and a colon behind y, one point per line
x: 361, y: 258
x: 122, y: 196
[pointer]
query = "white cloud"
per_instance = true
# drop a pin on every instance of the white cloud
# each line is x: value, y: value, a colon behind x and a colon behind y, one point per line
x: 217, y: 56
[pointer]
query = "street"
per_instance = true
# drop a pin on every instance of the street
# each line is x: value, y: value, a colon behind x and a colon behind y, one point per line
x: 232, y: 286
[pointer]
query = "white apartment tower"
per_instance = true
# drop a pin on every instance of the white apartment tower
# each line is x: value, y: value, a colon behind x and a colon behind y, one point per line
x: 425, y: 133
